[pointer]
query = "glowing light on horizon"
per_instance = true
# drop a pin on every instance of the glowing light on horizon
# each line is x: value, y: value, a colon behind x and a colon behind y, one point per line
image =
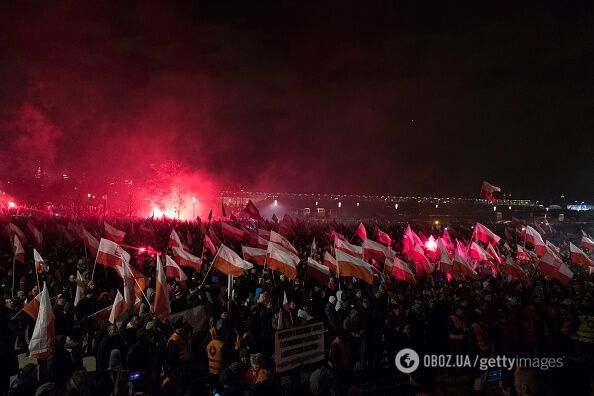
x: 11, y: 204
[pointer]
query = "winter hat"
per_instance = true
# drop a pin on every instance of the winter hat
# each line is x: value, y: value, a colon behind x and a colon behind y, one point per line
x: 332, y: 300
x: 115, y: 360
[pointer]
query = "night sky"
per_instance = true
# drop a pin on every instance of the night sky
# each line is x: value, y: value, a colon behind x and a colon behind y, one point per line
x: 301, y: 97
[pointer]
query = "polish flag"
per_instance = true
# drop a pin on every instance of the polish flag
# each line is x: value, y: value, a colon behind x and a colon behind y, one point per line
x: 577, y: 256
x: 44, y: 331
x: 110, y: 254
x: 262, y: 243
x: 250, y: 237
x: 552, y: 247
x: 317, y: 271
x: 485, y: 235
x: 555, y: 269
x: 91, y: 242
x: 32, y: 307
x: 361, y: 231
x: 493, y: 253
x: 382, y: 237
x: 445, y: 261
x: 532, y: 236
x: 14, y: 230
x: 478, y: 253
x: 461, y: 249
x: 118, y: 308
x: 401, y: 271
x: 282, y: 241
x: 255, y: 255
x: 462, y: 268
x: 313, y: 247
x: 231, y: 232
x: 524, y: 254
x: 330, y: 262
x: 214, y: 236
x: 40, y: 265
x: 161, y: 306
x: 113, y: 233
x: 487, y: 190
x: 80, y: 288
x: 282, y: 261
x: 409, y: 240
x: 334, y: 234
x: 173, y: 270
x: 186, y: 259
x: 264, y: 234
x: 174, y: 240
x: 346, y: 247
x: 229, y: 262
x: 447, y: 240
x: 36, y: 233
x: 376, y: 251
x: 418, y: 255
x: 348, y: 265
x: 587, y: 242
x: 209, y: 245
x: 515, y: 272
x: 18, y: 251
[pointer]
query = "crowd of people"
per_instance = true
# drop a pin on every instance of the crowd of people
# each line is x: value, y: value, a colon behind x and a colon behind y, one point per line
x: 231, y: 351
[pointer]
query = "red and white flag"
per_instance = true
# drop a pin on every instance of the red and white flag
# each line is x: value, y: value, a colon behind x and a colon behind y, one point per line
x: 514, y: 272
x: 493, y: 254
x: 532, y: 236
x: 32, y: 307
x: 173, y: 270
x: 208, y: 245
x: 330, y: 262
x: 118, y: 308
x: 44, y: 331
x: 401, y: 271
x: 462, y: 268
x: 552, y: 247
x: 478, y: 253
x: 174, y: 240
x: 264, y: 234
x: 36, y: 233
x: 282, y: 261
x: 382, y: 237
x: 14, y: 230
x: 409, y: 240
x: 524, y: 254
x: 186, y: 259
x: 250, y: 236
x: 487, y: 190
x: 577, y: 256
x: 361, y: 231
x: 445, y: 261
x: 17, y: 250
x: 348, y: 265
x: 282, y: 241
x: 91, y: 242
x: 110, y: 254
x: 262, y: 243
x: 550, y: 266
x: 346, y: 247
x: 418, y: 255
x: 214, y: 236
x: 317, y: 271
x: 485, y: 235
x: 113, y: 233
x: 161, y: 306
x: 255, y: 255
x: 40, y: 265
x: 229, y: 262
x: 189, y: 239
x: 80, y: 288
x: 287, y: 225
x: 231, y: 232
x: 376, y: 251
x: 587, y: 243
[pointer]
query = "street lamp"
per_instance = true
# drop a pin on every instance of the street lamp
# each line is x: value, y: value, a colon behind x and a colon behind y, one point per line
x: 193, y: 204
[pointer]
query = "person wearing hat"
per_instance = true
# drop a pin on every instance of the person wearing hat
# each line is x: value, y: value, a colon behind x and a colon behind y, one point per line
x: 334, y: 324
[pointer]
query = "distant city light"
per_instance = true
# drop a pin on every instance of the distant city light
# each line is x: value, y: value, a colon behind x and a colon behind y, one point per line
x: 509, y: 207
x: 396, y: 206
x: 494, y: 208
x: 436, y: 222
x: 316, y: 203
x: 275, y: 202
x: 89, y: 195
x: 436, y: 206
x: 339, y: 204
x: 357, y: 203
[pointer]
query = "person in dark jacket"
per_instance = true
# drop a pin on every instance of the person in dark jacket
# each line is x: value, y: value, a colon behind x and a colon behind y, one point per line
x: 112, y: 340
x: 332, y: 316
x: 59, y: 363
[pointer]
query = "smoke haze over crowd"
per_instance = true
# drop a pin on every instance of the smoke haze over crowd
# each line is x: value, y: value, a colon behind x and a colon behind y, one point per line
x: 300, y: 97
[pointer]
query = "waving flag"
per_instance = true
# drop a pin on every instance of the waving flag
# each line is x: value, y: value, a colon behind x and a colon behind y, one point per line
x: 36, y: 233
x: 317, y: 271
x: 32, y: 307
x: 80, y: 288
x: 555, y: 269
x: 493, y: 254
x: 44, y: 331
x: 173, y: 270
x: 250, y: 236
x: 361, y: 231
x: 264, y: 234
x: 91, y: 242
x: 445, y: 261
x: 209, y: 245
x: 113, y: 233
x: 17, y: 250
x: 418, y: 255
x: 552, y: 247
x: 161, y: 305
x: 409, y: 240
x: 287, y: 225
x: 376, y: 251
x: 515, y: 272
x: 186, y: 259
x: 313, y: 248
x: 330, y: 262
x: 587, y: 242
x: 382, y: 237
x: 348, y: 265
x: 401, y: 271
x: 255, y: 255
x: 485, y: 235
x: 478, y: 253
x: 532, y: 236
x: 231, y: 232
x: 14, y: 230
x: 487, y: 190
x: 252, y: 211
x: 282, y: 261
x: 229, y: 263
x: 118, y: 308
x: 174, y: 240
x: 110, y: 254
x: 462, y: 268
x: 40, y: 265
x: 282, y: 241
x: 577, y: 256
x: 353, y: 250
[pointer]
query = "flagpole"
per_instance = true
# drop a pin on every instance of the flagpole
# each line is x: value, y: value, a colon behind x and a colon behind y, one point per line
x: 209, y: 268
x: 37, y: 275
x: 95, y: 265
x: 13, y: 262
